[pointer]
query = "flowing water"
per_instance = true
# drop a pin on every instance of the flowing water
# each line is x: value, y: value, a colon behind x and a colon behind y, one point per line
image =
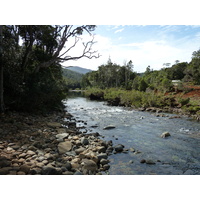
x: 177, y: 154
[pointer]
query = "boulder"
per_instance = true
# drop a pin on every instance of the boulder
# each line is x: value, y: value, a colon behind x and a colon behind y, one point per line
x: 64, y: 147
x: 165, y: 134
x: 119, y: 148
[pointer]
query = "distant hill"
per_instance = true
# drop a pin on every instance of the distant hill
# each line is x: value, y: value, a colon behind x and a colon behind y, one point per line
x: 72, y: 78
x: 70, y: 74
x: 78, y: 69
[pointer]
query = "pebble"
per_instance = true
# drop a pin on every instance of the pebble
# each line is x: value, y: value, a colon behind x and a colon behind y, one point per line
x: 53, y: 149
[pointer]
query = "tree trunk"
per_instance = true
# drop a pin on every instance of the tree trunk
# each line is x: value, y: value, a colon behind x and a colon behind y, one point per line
x: 2, y: 108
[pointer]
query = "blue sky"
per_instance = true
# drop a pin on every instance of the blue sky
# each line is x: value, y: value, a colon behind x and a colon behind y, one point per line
x: 145, y: 45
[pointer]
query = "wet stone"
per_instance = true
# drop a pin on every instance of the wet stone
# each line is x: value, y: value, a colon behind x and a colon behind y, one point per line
x: 165, y: 134
x: 119, y: 148
x: 106, y: 167
x: 150, y: 162
x: 104, y: 161
x: 102, y: 156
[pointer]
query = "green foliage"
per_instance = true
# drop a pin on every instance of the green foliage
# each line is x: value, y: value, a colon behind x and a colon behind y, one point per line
x: 110, y: 75
x: 72, y: 79
x: 132, y: 98
x: 183, y: 101
x: 31, y: 59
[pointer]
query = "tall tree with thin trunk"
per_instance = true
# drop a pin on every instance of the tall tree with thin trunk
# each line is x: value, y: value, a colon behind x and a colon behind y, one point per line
x: 1, y: 73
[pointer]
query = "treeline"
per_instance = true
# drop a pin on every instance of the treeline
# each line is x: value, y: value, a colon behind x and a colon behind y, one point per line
x: 112, y: 75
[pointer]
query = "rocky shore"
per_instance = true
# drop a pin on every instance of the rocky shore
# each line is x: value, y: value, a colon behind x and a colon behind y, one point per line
x: 50, y: 145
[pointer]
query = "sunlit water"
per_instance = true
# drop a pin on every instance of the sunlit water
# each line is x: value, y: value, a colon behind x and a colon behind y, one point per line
x: 177, y: 154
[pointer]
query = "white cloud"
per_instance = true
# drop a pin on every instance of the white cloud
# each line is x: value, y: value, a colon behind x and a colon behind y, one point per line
x: 152, y: 52
x: 119, y: 30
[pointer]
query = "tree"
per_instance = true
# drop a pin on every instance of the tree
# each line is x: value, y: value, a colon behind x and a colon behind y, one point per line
x: 1, y: 73
x: 33, y: 66
x: 193, y: 70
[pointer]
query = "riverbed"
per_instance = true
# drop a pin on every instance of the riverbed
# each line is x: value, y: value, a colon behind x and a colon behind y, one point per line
x: 140, y: 133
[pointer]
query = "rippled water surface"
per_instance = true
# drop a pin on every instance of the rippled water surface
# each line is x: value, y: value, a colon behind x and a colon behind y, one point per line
x: 177, y: 154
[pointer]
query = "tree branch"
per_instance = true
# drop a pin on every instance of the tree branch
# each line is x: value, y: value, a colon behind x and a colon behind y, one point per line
x: 67, y: 32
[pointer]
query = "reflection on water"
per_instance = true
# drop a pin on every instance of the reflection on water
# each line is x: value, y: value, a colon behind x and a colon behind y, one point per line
x: 177, y: 154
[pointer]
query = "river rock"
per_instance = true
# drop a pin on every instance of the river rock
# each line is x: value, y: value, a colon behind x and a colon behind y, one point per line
x: 119, y: 148
x: 68, y: 166
x: 106, y: 167
x: 31, y: 153
x: 21, y: 173
x: 84, y: 141
x: 5, y: 170
x: 132, y: 149
x: 80, y: 150
x: 51, y: 171
x: 102, y: 156
x: 150, y: 162
x: 189, y: 172
x: 68, y: 173
x: 89, y: 165
x: 101, y: 149
x: 4, y: 162
x: 62, y: 136
x: 143, y: 161
x: 35, y: 170
x: 109, y: 127
x: 78, y: 173
x: 25, y: 168
x: 165, y: 134
x: 104, y: 161
x: 63, y: 147
x: 54, y: 124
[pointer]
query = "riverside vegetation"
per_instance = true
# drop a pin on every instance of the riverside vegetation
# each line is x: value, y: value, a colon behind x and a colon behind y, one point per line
x: 172, y: 89
x: 37, y: 136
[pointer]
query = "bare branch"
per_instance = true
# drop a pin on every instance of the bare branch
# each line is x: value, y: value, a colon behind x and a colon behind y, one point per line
x: 87, y: 52
x: 67, y: 32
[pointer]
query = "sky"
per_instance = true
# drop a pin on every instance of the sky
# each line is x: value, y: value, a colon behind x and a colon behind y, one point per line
x: 145, y: 45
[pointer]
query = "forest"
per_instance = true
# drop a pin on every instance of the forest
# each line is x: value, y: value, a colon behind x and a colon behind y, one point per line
x: 31, y: 76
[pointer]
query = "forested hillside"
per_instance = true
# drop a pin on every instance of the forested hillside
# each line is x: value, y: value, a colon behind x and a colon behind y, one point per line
x: 79, y: 69
x: 72, y: 78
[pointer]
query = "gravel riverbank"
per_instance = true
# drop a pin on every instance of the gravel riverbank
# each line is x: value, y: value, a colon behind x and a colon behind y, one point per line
x: 50, y: 145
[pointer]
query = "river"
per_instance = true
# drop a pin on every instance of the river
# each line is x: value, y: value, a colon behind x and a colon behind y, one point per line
x: 174, y: 155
